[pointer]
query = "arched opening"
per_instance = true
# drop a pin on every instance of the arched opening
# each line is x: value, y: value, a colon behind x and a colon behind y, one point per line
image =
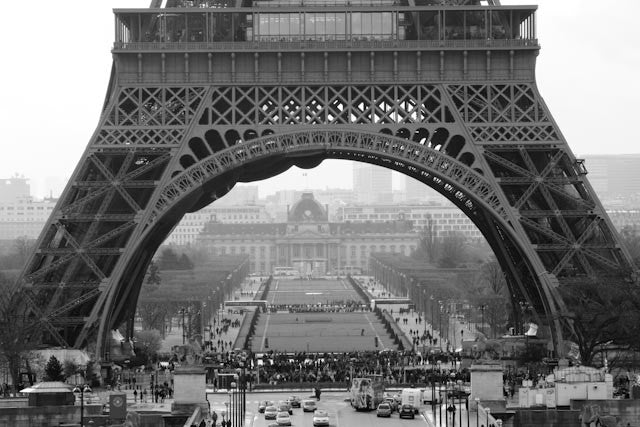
x: 455, y: 144
x: 214, y: 140
x: 421, y: 136
x: 197, y: 182
x: 199, y: 149
x: 187, y: 161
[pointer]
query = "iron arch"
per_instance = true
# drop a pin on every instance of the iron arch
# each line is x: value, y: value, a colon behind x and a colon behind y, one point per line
x: 202, y: 182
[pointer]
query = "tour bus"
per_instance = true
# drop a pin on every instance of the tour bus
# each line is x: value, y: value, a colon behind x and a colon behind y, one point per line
x: 263, y: 305
x: 366, y: 393
x: 285, y: 271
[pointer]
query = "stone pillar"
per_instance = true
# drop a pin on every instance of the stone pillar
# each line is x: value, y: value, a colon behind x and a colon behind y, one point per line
x: 189, y: 390
x: 487, y: 386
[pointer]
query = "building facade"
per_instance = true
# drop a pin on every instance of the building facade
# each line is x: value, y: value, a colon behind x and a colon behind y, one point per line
x: 308, y: 241
x: 187, y: 230
x: 444, y: 219
x: 24, y: 218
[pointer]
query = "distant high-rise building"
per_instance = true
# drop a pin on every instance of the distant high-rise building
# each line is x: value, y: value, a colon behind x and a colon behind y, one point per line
x: 14, y: 189
x: 372, y: 184
x: 614, y: 175
x: 417, y: 192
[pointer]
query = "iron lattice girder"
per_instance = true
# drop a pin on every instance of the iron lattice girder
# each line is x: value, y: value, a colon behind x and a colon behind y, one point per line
x: 573, y: 246
x: 69, y: 320
x: 67, y: 258
x: 41, y: 319
x: 323, y: 141
x: 125, y: 179
x: 539, y: 179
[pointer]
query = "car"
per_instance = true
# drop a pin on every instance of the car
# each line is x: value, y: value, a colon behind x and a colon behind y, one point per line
x: 283, y: 418
x: 270, y: 413
x: 392, y: 402
x: 263, y: 405
x: 384, y: 410
x: 320, y: 418
x: 284, y: 406
x: 407, y: 411
x: 309, y: 405
x: 294, y: 401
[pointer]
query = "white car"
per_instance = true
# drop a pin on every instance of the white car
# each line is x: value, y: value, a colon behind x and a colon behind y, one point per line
x: 320, y: 418
x: 283, y: 418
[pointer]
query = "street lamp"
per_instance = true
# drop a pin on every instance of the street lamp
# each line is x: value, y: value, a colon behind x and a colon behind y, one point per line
x: 477, y: 411
x: 432, y: 300
x: 440, y: 324
x: 482, y: 307
x: 82, y: 390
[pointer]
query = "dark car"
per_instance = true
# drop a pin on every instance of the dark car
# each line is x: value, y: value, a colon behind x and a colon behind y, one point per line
x: 262, y: 405
x: 284, y: 407
x: 407, y: 411
x: 294, y: 401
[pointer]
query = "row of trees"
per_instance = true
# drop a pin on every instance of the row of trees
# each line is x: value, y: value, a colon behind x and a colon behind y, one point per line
x: 609, y: 312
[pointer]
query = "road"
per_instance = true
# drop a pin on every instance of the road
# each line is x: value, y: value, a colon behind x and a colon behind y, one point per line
x: 341, y: 414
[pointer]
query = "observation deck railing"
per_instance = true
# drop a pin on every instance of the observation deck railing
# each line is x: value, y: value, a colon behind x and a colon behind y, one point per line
x: 329, y: 44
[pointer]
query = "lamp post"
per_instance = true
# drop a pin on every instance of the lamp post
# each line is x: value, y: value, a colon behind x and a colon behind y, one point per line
x: 181, y: 311
x: 432, y: 301
x: 424, y: 302
x: 440, y: 323
x: 482, y: 307
x: 488, y: 410
x: 82, y: 390
x: 477, y: 411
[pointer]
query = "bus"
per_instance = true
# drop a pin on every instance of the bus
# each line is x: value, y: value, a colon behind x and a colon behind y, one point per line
x: 366, y: 393
x: 263, y: 305
x: 392, y: 303
x: 285, y: 271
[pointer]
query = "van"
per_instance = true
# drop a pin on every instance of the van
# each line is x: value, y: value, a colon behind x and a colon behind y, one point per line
x: 413, y: 397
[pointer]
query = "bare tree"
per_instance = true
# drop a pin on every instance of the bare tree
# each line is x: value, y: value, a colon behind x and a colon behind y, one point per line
x: 452, y: 251
x: 15, y: 337
x: 427, y: 248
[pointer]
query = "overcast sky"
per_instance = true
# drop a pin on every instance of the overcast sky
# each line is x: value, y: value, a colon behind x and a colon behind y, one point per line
x: 56, y: 64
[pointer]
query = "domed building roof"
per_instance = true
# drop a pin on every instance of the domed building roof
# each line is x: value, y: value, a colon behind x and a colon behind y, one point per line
x: 307, y: 209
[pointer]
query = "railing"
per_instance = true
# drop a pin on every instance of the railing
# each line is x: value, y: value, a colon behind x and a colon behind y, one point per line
x: 328, y: 44
x: 485, y: 417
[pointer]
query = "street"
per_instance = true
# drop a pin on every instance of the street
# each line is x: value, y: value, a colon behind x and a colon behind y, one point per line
x: 341, y: 414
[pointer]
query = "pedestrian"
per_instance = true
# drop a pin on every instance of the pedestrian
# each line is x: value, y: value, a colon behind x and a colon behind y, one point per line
x: 135, y: 396
x: 214, y: 417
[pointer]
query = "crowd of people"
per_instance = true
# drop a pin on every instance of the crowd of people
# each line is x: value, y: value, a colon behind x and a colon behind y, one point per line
x: 394, y: 367
x: 348, y: 306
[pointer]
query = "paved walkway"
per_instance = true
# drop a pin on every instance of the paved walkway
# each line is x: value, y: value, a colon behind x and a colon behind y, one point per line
x: 176, y: 332
x: 416, y: 321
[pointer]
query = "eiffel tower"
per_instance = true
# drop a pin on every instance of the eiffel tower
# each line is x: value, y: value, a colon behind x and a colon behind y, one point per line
x: 205, y: 94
